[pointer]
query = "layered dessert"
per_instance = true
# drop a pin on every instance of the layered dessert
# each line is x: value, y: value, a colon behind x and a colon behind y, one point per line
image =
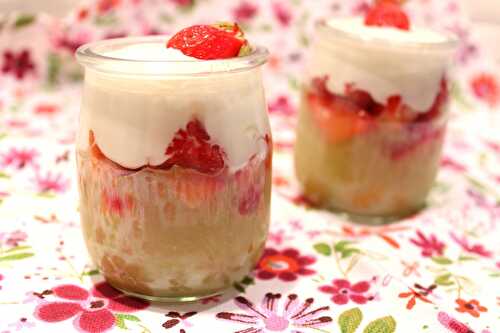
x: 373, y: 114
x: 174, y: 161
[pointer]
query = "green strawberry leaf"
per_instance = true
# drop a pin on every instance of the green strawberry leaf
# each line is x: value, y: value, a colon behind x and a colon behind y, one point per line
x: 466, y: 258
x: 442, y: 260
x: 341, y: 246
x: 129, y: 317
x: 4, y: 175
x: 381, y: 325
x: 247, y: 280
x: 17, y: 256
x: 23, y: 21
x: 91, y: 272
x: 18, y: 248
x: 349, y: 252
x: 120, y: 322
x: 323, y: 249
x: 444, y: 280
x: 350, y: 320
x: 239, y: 287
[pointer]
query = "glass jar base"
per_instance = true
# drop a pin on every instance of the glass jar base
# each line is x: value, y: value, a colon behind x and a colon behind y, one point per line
x: 168, y: 299
x: 374, y: 219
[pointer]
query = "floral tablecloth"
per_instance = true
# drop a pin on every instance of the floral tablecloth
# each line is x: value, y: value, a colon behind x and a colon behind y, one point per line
x: 438, y: 271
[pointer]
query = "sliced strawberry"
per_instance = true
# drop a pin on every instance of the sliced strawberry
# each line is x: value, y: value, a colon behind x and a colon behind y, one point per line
x: 207, y: 42
x: 340, y: 119
x: 362, y: 99
x: 387, y: 14
x: 191, y: 149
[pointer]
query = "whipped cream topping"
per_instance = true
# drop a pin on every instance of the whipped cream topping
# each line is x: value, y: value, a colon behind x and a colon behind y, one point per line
x: 134, y: 118
x: 383, y: 61
x: 152, y: 51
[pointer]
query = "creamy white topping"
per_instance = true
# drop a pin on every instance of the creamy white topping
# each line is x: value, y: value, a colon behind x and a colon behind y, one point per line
x: 383, y: 61
x: 152, y: 51
x: 134, y: 118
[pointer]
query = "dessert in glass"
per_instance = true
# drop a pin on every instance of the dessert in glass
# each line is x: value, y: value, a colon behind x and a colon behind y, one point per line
x: 174, y: 161
x: 373, y: 115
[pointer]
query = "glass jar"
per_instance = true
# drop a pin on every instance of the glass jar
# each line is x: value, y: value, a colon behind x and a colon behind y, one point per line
x: 174, y: 168
x: 372, y: 121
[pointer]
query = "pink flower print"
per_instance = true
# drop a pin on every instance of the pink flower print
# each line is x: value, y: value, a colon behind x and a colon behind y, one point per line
x: 16, y: 237
x: 22, y: 324
x: 245, y: 11
x: 282, y: 106
x: 286, y: 265
x: 70, y: 41
x: 430, y: 245
x: 183, y: 3
x: 452, y: 324
x: 19, y: 158
x: 343, y: 291
x: 19, y: 64
x: 51, y: 183
x: 282, y: 13
x: 46, y: 109
x: 93, y: 311
x: 467, y: 247
x: 277, y: 315
x: 278, y: 237
x: 104, y: 6
x: 451, y: 164
x: 486, y: 88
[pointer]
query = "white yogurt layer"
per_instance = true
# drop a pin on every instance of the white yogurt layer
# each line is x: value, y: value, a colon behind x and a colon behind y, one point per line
x: 383, y: 61
x: 135, y: 117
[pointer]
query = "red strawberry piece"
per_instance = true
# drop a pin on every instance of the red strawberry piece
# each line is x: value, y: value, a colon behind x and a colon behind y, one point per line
x: 362, y: 99
x: 318, y: 85
x: 339, y: 119
x: 208, y: 42
x: 191, y: 149
x: 387, y: 14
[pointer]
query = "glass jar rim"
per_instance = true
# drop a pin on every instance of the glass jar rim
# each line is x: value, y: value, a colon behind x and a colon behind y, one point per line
x: 448, y: 45
x: 93, y: 55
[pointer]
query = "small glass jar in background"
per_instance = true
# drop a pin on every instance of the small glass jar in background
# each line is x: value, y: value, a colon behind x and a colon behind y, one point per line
x: 174, y: 168
x: 372, y: 118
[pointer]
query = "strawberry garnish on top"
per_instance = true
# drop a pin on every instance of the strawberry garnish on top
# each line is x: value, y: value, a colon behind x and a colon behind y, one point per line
x: 191, y: 149
x: 387, y: 14
x: 207, y: 42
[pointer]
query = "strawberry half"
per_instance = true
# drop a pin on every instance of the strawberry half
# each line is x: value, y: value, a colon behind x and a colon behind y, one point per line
x: 191, y: 149
x: 207, y: 42
x: 387, y: 14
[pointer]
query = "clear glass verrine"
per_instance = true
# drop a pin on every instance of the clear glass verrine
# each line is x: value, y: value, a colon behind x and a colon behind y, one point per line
x: 372, y: 120
x: 174, y: 168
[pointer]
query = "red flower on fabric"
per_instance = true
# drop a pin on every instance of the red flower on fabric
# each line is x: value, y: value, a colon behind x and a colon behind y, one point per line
x: 287, y: 265
x: 282, y: 13
x: 486, y: 88
x: 430, y: 245
x: 282, y: 106
x: 19, y: 158
x: 478, y: 249
x: 104, y: 6
x: 51, y: 182
x: 245, y: 11
x: 471, y: 307
x: 343, y: 291
x: 93, y: 311
x: 18, y: 64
